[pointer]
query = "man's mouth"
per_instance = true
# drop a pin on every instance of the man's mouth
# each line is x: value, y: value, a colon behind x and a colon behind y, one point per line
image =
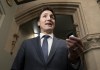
x: 49, y: 24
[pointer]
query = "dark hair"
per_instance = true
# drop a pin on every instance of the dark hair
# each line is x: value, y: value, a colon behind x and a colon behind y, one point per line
x: 46, y: 8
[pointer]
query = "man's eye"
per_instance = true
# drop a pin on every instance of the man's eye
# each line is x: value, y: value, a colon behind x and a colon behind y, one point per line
x: 52, y: 16
x: 44, y: 16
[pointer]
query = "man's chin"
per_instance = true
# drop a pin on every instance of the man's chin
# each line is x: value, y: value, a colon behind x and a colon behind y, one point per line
x: 49, y: 30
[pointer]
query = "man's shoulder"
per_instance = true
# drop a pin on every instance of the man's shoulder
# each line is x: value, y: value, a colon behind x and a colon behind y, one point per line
x: 30, y: 39
x: 61, y: 40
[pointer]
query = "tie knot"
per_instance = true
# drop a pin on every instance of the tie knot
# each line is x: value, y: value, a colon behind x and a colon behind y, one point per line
x: 46, y: 36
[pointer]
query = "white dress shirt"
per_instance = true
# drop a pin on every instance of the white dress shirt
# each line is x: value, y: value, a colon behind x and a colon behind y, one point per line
x: 50, y: 41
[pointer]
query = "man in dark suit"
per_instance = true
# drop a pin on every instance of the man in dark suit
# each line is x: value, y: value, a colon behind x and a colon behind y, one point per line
x: 57, y: 55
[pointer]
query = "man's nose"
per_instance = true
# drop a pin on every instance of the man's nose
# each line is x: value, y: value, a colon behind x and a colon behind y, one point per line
x: 48, y: 18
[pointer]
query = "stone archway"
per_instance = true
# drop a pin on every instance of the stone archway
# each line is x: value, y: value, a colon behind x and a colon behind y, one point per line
x: 73, y: 9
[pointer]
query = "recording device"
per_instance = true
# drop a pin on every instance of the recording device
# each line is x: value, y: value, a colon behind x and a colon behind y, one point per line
x: 72, y: 36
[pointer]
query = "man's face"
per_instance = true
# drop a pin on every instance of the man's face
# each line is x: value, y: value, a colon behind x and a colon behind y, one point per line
x: 46, y: 21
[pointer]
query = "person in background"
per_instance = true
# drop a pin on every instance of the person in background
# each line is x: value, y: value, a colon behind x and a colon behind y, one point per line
x: 46, y: 52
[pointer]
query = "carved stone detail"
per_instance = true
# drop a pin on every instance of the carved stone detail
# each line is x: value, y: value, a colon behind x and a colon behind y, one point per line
x: 33, y: 12
x: 91, y: 41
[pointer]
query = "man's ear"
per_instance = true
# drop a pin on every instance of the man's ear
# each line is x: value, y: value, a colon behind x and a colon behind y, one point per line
x: 38, y: 23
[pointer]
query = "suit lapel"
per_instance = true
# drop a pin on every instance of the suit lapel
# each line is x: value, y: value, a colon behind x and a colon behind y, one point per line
x: 53, y: 49
x: 38, y: 49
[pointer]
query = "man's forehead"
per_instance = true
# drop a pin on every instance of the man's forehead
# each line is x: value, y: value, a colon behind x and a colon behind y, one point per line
x: 47, y: 12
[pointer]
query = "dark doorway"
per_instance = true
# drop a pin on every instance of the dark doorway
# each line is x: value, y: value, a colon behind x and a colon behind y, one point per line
x: 64, y: 26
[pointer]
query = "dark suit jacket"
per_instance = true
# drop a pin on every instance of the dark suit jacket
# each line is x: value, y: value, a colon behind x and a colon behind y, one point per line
x: 30, y: 56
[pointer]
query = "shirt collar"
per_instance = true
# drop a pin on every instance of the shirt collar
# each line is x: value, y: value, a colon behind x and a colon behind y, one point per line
x: 42, y: 34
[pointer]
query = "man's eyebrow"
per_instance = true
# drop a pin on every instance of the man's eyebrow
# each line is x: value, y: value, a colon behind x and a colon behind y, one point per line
x: 45, y: 13
x: 52, y: 15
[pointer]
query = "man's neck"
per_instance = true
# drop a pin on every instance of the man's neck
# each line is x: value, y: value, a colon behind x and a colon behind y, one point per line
x: 42, y: 34
x: 47, y: 32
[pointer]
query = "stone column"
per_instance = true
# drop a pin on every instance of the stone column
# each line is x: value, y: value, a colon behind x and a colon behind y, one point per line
x: 91, y: 40
x: 92, y: 51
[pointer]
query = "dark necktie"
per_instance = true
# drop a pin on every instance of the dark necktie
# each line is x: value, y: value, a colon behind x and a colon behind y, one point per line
x: 45, y: 47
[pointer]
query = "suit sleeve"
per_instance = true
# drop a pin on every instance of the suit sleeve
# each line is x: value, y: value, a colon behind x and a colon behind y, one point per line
x: 76, y: 66
x: 18, y: 63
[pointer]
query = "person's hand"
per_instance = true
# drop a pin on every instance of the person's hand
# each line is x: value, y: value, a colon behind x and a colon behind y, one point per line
x: 75, y: 48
